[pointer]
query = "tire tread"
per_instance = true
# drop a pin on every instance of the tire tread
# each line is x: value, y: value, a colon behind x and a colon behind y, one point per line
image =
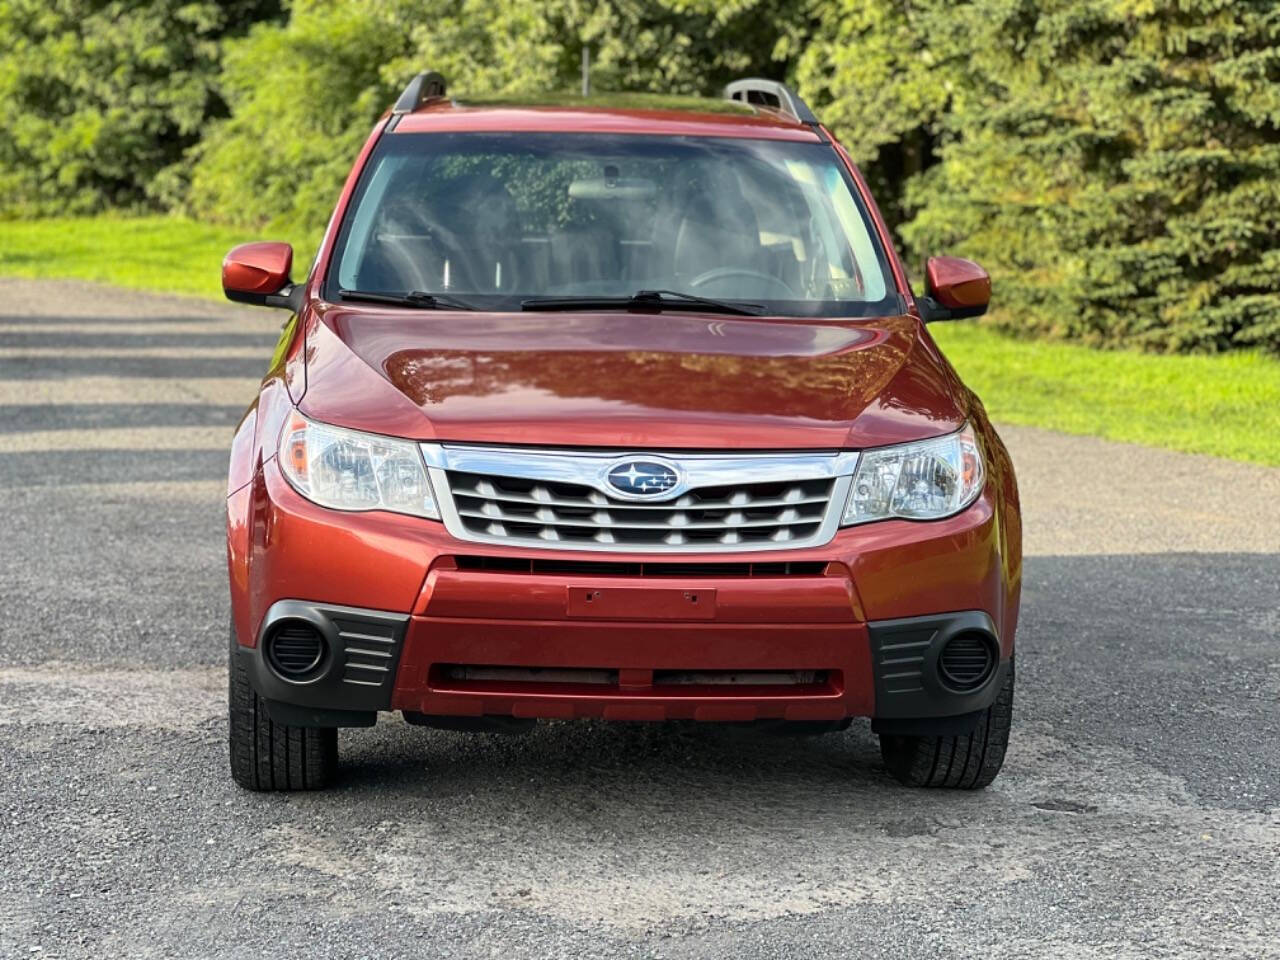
x: 265, y: 755
x: 919, y: 761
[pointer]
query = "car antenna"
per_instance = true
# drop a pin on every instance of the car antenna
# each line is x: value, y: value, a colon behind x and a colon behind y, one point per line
x: 586, y: 72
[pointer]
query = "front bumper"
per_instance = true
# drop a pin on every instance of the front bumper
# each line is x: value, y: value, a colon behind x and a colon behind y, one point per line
x: 374, y: 660
x: 797, y: 635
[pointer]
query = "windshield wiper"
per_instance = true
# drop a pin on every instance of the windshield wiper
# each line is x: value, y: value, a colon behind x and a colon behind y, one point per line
x: 644, y: 300
x: 415, y: 298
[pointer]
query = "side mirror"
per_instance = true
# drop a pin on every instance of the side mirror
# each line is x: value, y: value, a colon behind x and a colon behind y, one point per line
x: 954, y: 289
x: 258, y: 273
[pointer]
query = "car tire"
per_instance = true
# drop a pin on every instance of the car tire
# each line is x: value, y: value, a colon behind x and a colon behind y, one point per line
x: 266, y: 755
x: 968, y: 762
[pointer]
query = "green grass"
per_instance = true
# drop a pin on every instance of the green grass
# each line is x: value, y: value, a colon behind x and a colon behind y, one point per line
x: 171, y: 254
x: 1227, y: 406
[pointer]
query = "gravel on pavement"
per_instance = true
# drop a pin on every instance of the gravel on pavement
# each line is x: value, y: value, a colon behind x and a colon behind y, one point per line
x: 1138, y: 814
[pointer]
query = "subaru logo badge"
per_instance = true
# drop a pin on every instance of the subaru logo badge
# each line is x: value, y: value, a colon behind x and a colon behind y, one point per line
x: 643, y: 478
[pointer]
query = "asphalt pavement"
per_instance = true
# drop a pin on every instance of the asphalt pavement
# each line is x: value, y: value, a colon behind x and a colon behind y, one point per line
x: 1138, y: 814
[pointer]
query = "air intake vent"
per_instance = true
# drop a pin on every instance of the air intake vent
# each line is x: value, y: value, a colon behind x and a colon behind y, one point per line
x: 966, y: 661
x: 295, y: 650
x: 609, y: 568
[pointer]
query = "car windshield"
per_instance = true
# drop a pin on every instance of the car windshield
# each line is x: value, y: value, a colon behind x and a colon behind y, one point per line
x: 498, y: 219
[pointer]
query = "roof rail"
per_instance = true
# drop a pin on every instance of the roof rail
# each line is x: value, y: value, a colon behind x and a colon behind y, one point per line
x: 426, y: 86
x: 772, y: 94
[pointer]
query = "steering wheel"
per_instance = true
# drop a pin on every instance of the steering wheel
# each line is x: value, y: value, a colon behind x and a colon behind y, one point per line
x: 722, y: 273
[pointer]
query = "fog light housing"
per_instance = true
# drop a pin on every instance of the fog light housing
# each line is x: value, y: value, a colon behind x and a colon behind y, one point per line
x: 967, y: 661
x: 295, y: 650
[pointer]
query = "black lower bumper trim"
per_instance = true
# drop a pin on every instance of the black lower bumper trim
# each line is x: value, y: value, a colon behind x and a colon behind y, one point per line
x: 356, y: 672
x: 957, y: 726
x: 295, y: 716
x: 910, y: 687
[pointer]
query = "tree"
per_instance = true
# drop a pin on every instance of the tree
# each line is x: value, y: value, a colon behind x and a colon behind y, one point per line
x: 868, y: 70
x: 99, y: 100
x: 303, y: 96
x: 1116, y: 163
x: 312, y: 88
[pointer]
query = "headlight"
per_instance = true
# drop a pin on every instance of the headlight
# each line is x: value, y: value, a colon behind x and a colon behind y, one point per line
x: 926, y: 480
x: 347, y: 470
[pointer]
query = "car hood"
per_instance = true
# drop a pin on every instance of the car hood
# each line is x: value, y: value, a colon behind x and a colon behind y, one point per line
x: 671, y: 380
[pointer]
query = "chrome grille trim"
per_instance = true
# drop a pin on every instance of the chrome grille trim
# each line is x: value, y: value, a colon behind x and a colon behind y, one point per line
x: 558, y: 499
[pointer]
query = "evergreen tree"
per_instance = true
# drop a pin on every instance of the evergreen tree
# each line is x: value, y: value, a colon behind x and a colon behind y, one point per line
x: 1115, y: 163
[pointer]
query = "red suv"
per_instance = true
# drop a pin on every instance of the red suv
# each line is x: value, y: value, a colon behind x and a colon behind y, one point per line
x: 616, y: 408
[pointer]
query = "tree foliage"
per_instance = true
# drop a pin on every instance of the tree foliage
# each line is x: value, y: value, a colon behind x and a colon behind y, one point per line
x: 1114, y: 163
x: 326, y: 76
x: 99, y: 100
x: 869, y: 71
x: 303, y: 96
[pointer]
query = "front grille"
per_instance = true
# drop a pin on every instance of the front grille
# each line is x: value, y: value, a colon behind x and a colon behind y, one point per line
x: 612, y: 568
x: 543, y: 512
x: 739, y: 678
x: 609, y: 677
x: 482, y: 674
